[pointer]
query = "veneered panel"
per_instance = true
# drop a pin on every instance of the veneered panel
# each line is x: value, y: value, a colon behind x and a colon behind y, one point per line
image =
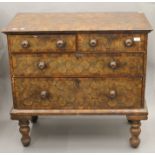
x: 41, y: 43
x: 28, y: 65
x: 77, y: 93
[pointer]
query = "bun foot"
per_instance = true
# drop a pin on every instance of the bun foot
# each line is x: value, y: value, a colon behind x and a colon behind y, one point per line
x: 134, y: 142
x: 26, y: 141
x: 34, y: 119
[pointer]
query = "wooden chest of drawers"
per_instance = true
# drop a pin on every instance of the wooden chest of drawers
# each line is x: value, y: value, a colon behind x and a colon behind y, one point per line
x: 78, y: 63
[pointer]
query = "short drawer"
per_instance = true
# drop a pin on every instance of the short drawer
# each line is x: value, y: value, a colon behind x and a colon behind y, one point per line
x: 111, y: 42
x: 50, y: 65
x: 77, y: 93
x: 42, y: 43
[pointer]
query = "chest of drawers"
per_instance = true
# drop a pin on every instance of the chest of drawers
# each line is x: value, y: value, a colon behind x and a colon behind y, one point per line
x: 78, y: 64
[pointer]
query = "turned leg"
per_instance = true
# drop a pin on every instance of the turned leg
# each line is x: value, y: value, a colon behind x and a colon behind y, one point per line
x: 34, y: 119
x: 24, y: 130
x: 135, y: 132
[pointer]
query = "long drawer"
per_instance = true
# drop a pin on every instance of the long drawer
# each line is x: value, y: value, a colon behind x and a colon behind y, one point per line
x: 77, y: 93
x: 78, y: 65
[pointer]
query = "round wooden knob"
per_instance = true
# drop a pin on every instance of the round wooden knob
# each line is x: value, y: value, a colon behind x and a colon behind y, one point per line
x: 128, y: 42
x: 93, y: 42
x: 112, y: 94
x: 25, y: 44
x: 43, y: 94
x: 113, y: 64
x: 41, y: 65
x: 60, y: 44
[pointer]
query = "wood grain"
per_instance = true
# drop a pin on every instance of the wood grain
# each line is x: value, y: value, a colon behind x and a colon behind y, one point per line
x: 132, y: 114
x: 105, y: 43
x: 110, y: 42
x: 41, y: 43
x: 24, y: 130
x: 78, y: 93
x: 77, y: 78
x: 77, y: 65
x: 51, y: 22
x: 135, y: 132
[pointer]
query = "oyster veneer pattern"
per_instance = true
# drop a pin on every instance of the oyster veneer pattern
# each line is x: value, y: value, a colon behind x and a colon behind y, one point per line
x: 78, y: 93
x: 78, y: 63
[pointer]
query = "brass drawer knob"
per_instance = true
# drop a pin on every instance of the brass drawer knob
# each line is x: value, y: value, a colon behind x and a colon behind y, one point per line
x: 41, y: 65
x: 113, y: 64
x: 112, y: 94
x: 60, y: 44
x: 44, y: 94
x: 128, y: 42
x: 93, y: 42
x: 25, y: 44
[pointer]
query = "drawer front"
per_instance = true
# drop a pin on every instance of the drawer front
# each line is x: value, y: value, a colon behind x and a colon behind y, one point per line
x: 42, y: 43
x: 111, y: 42
x: 77, y: 64
x: 77, y: 93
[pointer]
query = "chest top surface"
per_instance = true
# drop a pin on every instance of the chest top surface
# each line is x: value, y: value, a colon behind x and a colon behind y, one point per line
x: 51, y: 22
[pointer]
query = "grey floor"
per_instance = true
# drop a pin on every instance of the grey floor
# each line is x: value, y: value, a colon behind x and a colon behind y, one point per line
x: 76, y: 133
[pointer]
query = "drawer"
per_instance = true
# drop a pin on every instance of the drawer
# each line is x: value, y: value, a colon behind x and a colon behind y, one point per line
x: 42, y: 43
x: 111, y: 42
x: 77, y: 93
x: 49, y: 65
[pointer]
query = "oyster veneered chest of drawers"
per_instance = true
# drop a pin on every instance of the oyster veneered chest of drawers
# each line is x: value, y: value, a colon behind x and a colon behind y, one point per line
x: 78, y: 64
